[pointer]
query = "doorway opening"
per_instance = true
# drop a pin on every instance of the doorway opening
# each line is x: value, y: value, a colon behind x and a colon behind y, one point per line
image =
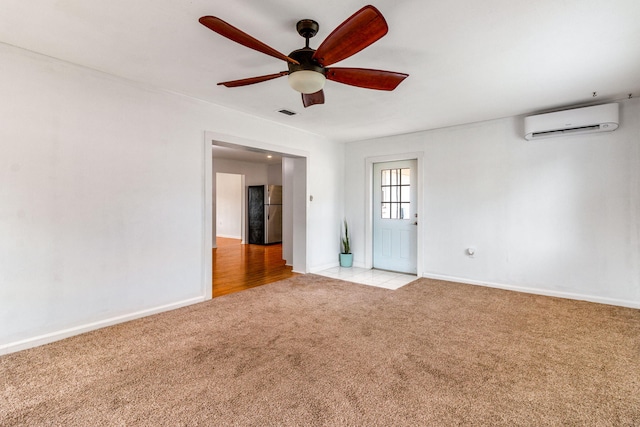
x: 230, y: 205
x: 258, y: 164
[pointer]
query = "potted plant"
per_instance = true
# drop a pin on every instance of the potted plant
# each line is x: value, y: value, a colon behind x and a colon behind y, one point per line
x: 346, y: 257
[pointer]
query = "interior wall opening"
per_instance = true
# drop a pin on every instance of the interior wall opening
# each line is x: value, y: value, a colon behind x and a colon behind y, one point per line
x: 246, y: 264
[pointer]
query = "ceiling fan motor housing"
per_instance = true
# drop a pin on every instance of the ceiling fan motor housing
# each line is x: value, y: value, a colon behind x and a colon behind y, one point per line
x: 305, y: 57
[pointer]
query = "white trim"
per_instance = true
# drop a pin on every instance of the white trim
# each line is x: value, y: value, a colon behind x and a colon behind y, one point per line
x: 207, y: 219
x: 300, y: 240
x: 368, y: 239
x: 227, y: 140
x: 69, y: 332
x: 536, y: 291
x: 229, y: 236
x: 326, y: 266
x: 243, y: 209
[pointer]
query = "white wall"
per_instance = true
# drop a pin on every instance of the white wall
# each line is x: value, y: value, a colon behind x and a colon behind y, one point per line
x: 254, y: 174
x: 299, y: 215
x: 102, y: 196
x: 229, y: 197
x: 558, y: 216
x: 288, y: 178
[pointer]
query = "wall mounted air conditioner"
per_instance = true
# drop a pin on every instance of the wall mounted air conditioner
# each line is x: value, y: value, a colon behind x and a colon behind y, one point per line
x: 598, y: 118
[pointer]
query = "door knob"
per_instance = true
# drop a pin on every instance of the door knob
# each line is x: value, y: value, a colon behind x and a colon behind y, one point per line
x: 415, y: 223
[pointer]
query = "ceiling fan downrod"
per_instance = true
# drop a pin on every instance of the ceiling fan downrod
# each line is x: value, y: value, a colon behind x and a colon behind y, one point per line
x: 307, y: 28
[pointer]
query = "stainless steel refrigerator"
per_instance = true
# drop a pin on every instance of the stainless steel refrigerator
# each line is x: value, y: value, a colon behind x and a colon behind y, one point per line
x: 265, y: 214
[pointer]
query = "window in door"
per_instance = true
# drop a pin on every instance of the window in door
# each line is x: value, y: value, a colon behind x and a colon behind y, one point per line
x: 396, y: 193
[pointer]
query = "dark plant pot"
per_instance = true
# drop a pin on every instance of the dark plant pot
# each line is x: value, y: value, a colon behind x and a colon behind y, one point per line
x: 346, y: 260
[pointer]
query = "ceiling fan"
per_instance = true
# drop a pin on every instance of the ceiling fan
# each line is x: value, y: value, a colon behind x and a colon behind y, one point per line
x: 309, y: 68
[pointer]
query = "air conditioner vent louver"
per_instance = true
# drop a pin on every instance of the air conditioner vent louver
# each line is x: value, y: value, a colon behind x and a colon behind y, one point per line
x: 582, y: 129
x: 598, y: 118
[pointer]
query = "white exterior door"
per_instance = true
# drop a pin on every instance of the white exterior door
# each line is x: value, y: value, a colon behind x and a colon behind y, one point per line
x: 395, y: 216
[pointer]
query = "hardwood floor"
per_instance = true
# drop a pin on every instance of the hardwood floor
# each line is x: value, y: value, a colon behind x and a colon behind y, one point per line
x: 237, y: 267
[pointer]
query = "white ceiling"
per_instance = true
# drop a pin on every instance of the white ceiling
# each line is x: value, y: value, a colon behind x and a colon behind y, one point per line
x: 468, y: 60
x: 245, y: 154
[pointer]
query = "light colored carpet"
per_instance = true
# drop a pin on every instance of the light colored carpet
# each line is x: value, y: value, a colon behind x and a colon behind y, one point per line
x: 317, y: 351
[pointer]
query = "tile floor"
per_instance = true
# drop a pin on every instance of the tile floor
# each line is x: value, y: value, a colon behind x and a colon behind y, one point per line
x: 365, y: 276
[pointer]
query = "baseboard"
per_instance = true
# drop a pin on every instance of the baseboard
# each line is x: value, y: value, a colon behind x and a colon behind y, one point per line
x: 335, y: 264
x: 77, y: 330
x: 323, y: 267
x: 229, y: 236
x: 537, y: 291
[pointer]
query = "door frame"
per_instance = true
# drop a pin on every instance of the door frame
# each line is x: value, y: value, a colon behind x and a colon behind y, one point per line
x: 298, y: 159
x: 368, y: 241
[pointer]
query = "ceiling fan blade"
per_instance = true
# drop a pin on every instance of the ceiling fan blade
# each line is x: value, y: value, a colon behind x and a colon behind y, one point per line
x: 363, y: 28
x: 239, y: 36
x: 366, y: 78
x: 309, y: 99
x: 253, y: 80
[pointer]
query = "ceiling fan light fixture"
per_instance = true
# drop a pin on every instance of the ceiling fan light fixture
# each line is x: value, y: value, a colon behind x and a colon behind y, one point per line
x: 307, y: 81
x: 307, y: 67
